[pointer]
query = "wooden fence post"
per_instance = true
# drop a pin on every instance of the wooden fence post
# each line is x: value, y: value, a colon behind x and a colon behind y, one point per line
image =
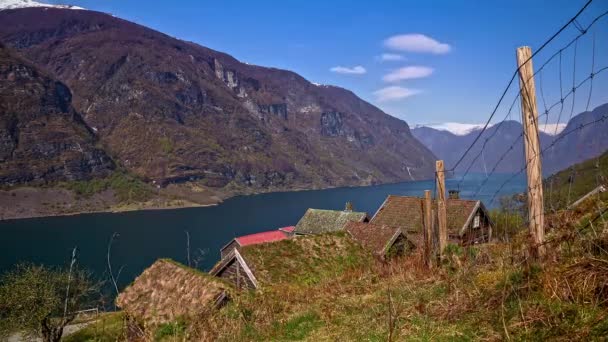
x: 441, y: 207
x: 428, y: 229
x: 529, y: 114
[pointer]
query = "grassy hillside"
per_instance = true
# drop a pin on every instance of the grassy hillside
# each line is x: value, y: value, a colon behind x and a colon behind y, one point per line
x: 326, y: 288
x: 305, y: 261
x: 488, y: 292
x: 566, y: 186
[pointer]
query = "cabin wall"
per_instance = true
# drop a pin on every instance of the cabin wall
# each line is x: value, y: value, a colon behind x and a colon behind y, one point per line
x: 400, y: 247
x: 235, y: 274
x: 226, y: 250
x: 481, y: 234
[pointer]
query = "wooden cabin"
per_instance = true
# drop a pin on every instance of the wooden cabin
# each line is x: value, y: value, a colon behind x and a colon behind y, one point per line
x: 319, y: 221
x: 234, y: 269
x: 382, y: 240
x: 257, y: 238
x: 468, y: 220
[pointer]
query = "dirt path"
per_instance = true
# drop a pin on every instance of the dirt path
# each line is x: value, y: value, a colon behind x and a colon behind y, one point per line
x: 68, y: 330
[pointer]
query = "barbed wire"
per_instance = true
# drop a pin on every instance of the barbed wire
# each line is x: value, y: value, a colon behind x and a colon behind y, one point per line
x: 547, y: 110
x: 572, y: 93
x: 561, y: 137
x: 515, y: 73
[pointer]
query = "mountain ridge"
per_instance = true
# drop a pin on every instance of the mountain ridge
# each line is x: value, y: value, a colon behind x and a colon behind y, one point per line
x: 566, y: 147
x: 172, y: 111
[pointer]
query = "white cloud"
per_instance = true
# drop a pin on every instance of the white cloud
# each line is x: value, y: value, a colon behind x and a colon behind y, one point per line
x: 416, y: 42
x: 552, y: 128
x: 394, y: 93
x: 357, y: 70
x: 407, y: 73
x: 390, y: 57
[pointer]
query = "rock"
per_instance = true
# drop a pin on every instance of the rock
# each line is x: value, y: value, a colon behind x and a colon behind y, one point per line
x: 42, y: 138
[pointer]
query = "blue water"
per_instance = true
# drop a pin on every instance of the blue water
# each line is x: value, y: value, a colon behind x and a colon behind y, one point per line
x: 145, y: 236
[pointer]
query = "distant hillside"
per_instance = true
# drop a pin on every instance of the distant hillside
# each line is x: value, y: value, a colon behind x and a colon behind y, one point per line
x: 568, y: 185
x: 42, y: 138
x: 450, y: 147
x: 574, y: 145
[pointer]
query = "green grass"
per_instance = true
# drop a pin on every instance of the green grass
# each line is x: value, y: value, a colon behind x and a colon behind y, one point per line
x: 305, y: 260
x: 298, y: 327
x: 166, y: 145
x: 127, y: 188
x: 109, y: 328
x: 169, y: 331
x: 566, y: 186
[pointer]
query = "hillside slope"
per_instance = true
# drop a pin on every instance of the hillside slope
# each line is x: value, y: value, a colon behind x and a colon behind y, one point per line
x: 42, y: 138
x: 173, y: 111
x: 568, y: 185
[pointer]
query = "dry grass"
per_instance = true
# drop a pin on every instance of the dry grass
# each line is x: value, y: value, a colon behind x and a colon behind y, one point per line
x: 326, y: 288
x: 167, y: 291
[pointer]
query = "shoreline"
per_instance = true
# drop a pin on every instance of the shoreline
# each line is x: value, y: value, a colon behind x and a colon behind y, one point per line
x: 110, y: 211
x: 188, y: 204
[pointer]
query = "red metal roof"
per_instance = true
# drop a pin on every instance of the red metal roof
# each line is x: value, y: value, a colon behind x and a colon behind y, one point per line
x: 263, y: 237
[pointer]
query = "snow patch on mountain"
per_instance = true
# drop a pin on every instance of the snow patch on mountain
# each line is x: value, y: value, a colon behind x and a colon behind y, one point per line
x: 552, y: 128
x: 12, y: 4
x: 457, y: 128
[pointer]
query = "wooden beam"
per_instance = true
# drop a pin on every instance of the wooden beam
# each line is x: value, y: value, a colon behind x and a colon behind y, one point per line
x: 529, y: 114
x: 428, y: 229
x: 441, y: 207
x: 246, y: 268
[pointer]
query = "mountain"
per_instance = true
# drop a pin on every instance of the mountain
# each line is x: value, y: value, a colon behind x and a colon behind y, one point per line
x: 172, y: 111
x: 585, y: 136
x: 13, y: 4
x: 450, y: 147
x: 457, y: 128
x: 572, y: 145
x: 42, y: 138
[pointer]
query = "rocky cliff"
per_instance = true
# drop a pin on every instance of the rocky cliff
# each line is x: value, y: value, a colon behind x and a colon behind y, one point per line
x: 174, y: 111
x: 42, y: 138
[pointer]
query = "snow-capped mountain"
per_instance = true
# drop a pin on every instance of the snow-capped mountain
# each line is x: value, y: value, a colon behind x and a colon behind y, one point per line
x: 552, y: 128
x: 462, y: 129
x: 455, y: 128
x: 12, y: 4
x: 449, y: 141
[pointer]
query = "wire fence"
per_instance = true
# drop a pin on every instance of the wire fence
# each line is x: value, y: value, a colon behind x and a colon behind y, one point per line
x: 563, y: 59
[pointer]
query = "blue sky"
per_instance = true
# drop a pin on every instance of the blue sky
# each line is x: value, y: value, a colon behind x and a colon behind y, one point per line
x: 463, y: 54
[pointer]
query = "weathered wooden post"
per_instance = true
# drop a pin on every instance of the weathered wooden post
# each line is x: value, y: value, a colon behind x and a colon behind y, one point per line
x: 428, y: 229
x: 529, y: 114
x: 441, y: 207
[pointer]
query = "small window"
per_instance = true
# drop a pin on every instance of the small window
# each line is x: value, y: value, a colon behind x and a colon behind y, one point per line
x: 476, y: 221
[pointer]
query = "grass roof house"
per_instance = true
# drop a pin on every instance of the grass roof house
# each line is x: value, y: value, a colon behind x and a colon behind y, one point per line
x: 168, y: 290
x: 468, y: 220
x: 382, y: 240
x: 318, y: 221
x: 301, y: 260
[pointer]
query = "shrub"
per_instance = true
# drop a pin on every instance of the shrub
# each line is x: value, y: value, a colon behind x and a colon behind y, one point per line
x: 33, y: 299
x: 126, y: 187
